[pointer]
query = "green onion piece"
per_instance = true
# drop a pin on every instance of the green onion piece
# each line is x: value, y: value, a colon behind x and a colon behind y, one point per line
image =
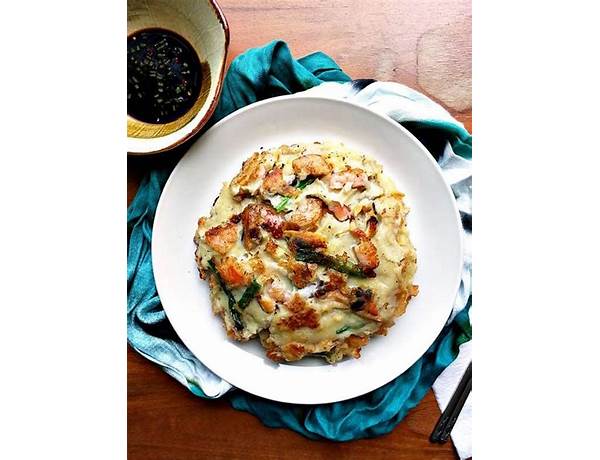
x: 300, y: 185
x: 346, y: 327
x: 308, y: 255
x: 282, y: 204
x: 305, y: 182
x: 249, y: 294
x: 233, y: 312
x: 342, y: 329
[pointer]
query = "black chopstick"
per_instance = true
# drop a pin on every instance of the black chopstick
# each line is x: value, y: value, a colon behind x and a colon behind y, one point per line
x: 444, y: 426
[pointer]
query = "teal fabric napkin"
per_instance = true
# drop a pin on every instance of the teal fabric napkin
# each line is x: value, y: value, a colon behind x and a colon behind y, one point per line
x: 258, y: 74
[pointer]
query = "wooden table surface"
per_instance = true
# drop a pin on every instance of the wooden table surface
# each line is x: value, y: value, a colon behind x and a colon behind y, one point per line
x: 425, y: 44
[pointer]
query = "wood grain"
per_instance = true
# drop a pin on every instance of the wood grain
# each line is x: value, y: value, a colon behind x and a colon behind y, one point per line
x: 165, y: 421
x: 425, y: 44
x: 376, y: 39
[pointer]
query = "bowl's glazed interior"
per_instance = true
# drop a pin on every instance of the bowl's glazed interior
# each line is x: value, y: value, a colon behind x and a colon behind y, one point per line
x: 202, y: 24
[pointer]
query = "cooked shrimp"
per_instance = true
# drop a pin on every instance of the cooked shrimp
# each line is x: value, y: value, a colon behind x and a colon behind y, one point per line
x: 250, y: 170
x: 307, y: 215
x: 340, y: 212
x: 311, y: 165
x: 371, y: 308
x: 255, y: 216
x: 273, y: 183
x: 273, y: 222
x: 266, y: 303
x: 372, y: 226
x: 366, y: 253
x: 355, y: 176
x: 247, y: 181
x: 337, y: 296
x: 222, y: 238
x: 233, y: 273
x: 251, y: 221
x: 277, y: 292
x: 358, y: 234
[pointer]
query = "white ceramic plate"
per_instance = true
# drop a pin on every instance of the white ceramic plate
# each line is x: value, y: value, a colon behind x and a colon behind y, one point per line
x: 216, y: 157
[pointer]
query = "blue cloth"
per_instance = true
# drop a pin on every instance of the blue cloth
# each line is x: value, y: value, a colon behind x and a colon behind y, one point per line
x: 258, y: 74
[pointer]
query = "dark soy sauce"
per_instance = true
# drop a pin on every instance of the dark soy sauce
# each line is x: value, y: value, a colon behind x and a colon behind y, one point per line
x: 164, y: 76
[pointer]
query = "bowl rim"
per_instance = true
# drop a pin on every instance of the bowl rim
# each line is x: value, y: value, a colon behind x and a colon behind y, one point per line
x: 213, y: 105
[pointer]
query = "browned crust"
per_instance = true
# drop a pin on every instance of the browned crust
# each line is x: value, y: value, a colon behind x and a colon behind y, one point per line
x: 302, y: 315
x: 222, y: 237
x: 403, y: 296
x: 301, y: 274
x: 294, y: 351
x: 312, y: 239
x: 296, y: 304
x: 305, y: 318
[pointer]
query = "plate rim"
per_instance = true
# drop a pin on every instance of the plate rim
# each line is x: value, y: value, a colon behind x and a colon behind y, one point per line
x: 314, y: 400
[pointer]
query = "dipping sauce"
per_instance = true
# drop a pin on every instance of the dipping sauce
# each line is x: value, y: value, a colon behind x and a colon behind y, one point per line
x: 164, y: 76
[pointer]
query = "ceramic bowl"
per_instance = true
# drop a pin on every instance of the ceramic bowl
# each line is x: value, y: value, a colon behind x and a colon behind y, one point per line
x: 203, y: 25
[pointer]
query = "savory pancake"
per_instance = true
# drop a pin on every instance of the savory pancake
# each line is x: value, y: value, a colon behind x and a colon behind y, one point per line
x: 308, y: 249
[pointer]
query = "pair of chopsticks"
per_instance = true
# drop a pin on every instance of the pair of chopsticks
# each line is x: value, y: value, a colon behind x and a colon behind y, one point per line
x: 444, y: 426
